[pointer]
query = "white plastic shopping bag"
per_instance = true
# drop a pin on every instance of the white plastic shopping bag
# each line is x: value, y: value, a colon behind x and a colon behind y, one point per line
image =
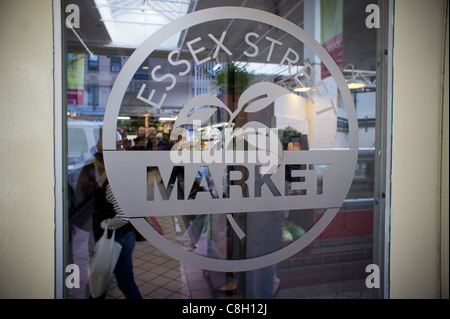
x: 106, y: 253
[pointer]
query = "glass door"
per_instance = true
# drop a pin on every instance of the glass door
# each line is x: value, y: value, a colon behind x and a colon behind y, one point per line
x: 234, y: 143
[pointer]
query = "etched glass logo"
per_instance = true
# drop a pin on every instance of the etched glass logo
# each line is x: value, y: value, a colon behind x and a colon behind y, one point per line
x: 244, y: 165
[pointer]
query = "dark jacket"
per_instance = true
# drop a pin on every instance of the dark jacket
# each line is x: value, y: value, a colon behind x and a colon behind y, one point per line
x: 103, y: 210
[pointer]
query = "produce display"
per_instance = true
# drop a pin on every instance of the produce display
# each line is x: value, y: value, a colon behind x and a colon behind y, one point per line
x: 291, y: 231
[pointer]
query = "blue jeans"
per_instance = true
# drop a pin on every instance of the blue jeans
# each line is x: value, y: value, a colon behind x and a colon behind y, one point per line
x: 260, y: 283
x: 124, y: 267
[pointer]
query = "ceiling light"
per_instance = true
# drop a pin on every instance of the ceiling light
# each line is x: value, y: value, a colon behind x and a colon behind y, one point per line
x: 352, y: 82
x: 355, y: 84
x: 302, y: 89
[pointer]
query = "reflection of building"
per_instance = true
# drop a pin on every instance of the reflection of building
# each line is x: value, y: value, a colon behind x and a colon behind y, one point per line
x: 96, y: 77
x: 99, y: 72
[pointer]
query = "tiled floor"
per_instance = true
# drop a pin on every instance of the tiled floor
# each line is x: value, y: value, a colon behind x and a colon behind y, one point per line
x: 161, y: 277
x: 325, y: 282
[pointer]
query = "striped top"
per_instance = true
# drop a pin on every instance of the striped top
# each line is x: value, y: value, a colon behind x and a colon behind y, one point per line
x: 119, y: 220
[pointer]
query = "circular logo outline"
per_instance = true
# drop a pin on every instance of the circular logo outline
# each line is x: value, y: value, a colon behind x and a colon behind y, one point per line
x: 119, y: 89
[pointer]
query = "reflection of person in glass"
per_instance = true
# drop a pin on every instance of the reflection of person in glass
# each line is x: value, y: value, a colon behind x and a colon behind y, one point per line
x: 161, y: 144
x: 107, y: 212
x: 264, y: 235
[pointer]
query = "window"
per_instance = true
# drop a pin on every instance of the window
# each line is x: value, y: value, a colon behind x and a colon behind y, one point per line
x: 93, y: 62
x: 143, y: 73
x: 116, y: 63
x: 92, y: 91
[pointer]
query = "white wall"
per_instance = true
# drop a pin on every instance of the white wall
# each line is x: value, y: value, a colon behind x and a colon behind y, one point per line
x: 417, y: 105
x: 26, y: 150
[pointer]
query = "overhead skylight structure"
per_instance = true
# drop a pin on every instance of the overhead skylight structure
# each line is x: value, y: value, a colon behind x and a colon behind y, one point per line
x: 130, y: 22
